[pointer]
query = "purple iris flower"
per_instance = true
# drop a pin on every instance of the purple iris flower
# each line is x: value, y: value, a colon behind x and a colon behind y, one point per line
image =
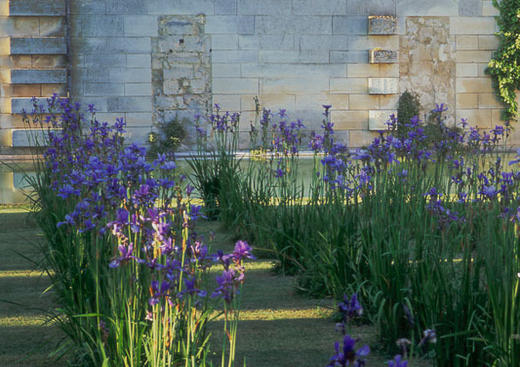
x: 242, y: 251
x: 397, y: 362
x: 350, y: 308
x: 349, y: 356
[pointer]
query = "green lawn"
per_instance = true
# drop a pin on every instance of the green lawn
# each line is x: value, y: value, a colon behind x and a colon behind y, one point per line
x: 278, y: 327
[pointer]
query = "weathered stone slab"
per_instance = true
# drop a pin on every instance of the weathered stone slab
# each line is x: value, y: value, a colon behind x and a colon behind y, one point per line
x: 28, y: 137
x: 377, y: 119
x: 21, y: 105
x: 379, y: 56
x: 20, y: 76
x: 383, y: 85
x: 382, y: 25
x: 36, y: 8
x: 38, y: 46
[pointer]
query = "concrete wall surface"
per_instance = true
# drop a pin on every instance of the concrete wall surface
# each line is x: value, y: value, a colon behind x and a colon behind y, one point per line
x: 150, y: 61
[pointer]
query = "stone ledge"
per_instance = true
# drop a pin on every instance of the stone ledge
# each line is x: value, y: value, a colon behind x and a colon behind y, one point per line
x: 382, y: 25
x: 377, y: 119
x: 379, y: 56
x: 36, y: 46
x: 27, y: 137
x: 28, y: 76
x: 19, y: 105
x: 383, y: 85
x: 33, y: 8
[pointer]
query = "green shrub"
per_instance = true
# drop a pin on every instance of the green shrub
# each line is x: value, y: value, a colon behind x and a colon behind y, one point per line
x: 169, y: 137
x: 409, y: 107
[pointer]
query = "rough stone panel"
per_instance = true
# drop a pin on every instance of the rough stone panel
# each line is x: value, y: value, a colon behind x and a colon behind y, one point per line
x: 467, y: 43
x: 230, y: 24
x: 346, y: 120
x: 349, y: 25
x: 36, y: 7
x: 378, y: 56
x: 427, y: 8
x: 348, y: 57
x: 383, y: 85
x: 488, y: 10
x: 181, y: 73
x: 430, y: 70
x: 371, y: 7
x: 37, y: 76
x: 382, y: 25
x: 37, y: 46
x: 348, y: 85
x: 293, y: 25
x: 470, y: 8
x: 467, y: 100
x: 225, y: 7
x: 313, y: 7
x: 377, y: 120
x: 140, y: 25
x: 473, y: 25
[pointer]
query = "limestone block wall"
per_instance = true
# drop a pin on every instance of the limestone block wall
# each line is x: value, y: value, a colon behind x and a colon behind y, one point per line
x: 149, y: 61
x: 33, y: 61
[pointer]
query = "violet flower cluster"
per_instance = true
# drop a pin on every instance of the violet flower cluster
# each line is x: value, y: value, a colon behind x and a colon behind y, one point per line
x: 113, y: 190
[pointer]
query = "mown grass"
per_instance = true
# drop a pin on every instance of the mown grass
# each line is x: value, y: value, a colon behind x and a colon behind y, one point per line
x: 278, y: 327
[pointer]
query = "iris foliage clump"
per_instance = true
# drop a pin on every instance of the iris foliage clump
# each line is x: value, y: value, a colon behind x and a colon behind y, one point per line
x: 423, y: 228
x: 127, y: 266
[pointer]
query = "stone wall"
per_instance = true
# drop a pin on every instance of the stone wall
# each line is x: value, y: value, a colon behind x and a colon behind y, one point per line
x: 150, y: 60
